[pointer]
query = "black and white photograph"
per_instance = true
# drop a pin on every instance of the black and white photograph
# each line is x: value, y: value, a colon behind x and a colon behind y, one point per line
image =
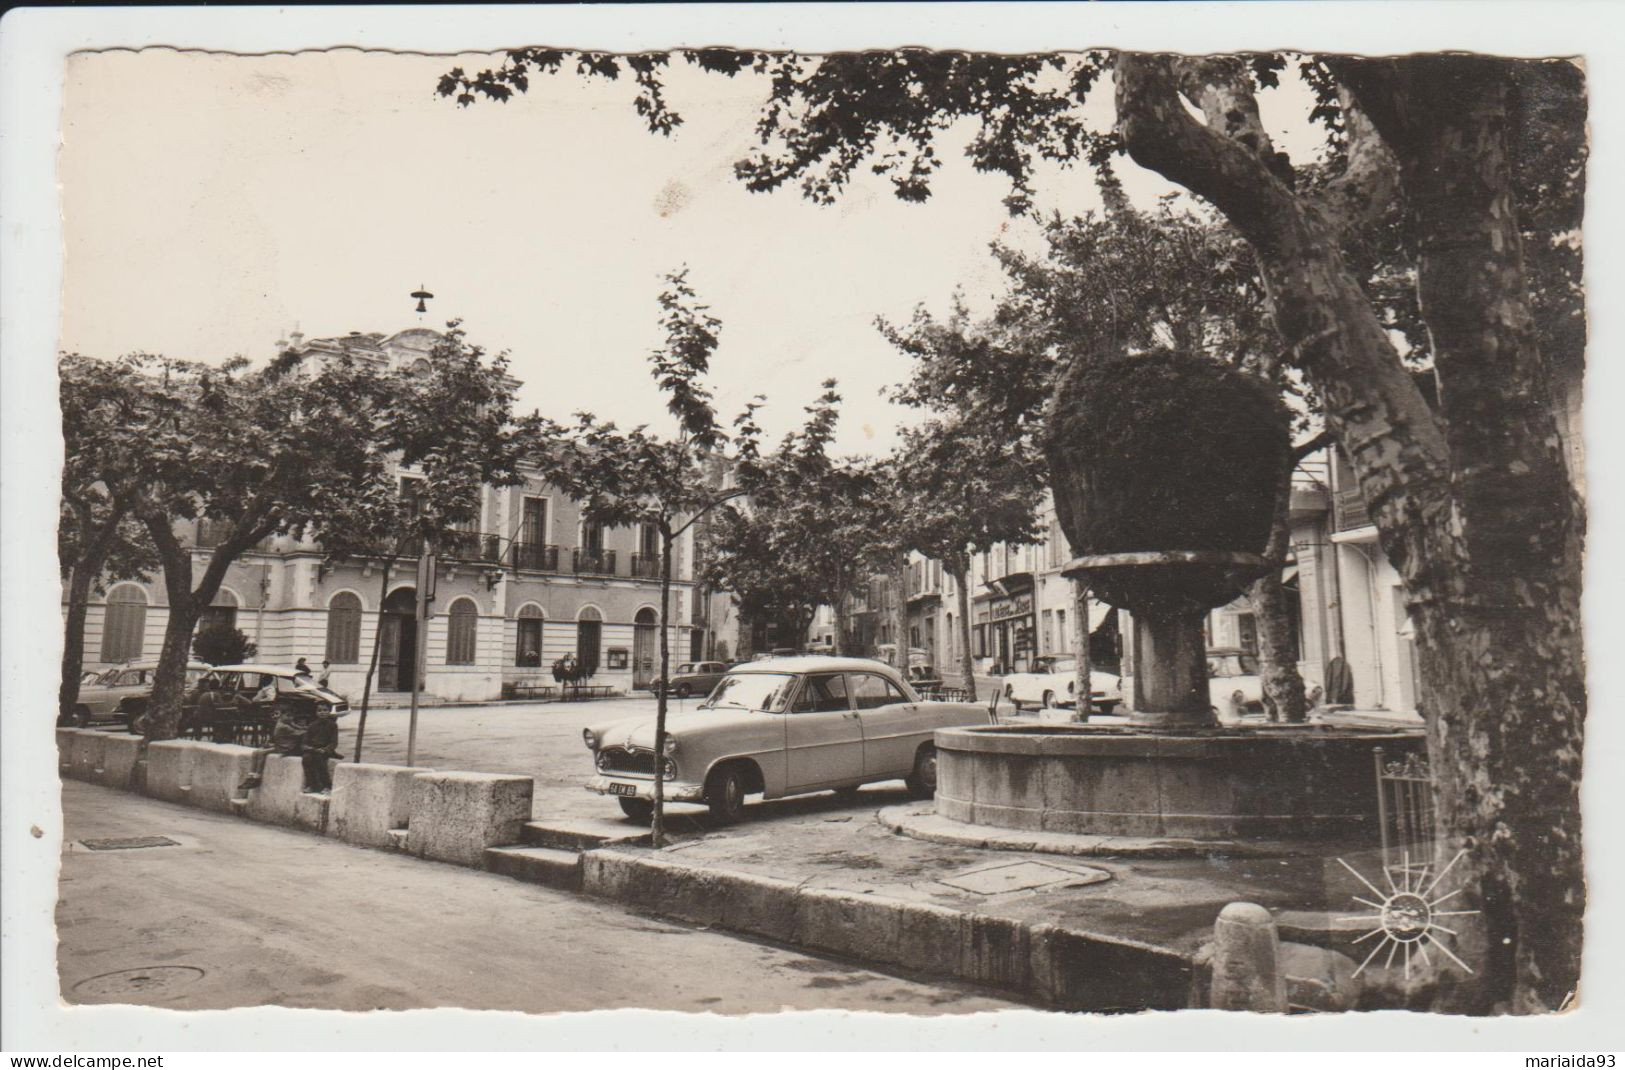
x: 1080, y: 527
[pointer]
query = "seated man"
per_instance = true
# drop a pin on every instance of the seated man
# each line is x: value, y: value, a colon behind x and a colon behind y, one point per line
x: 320, y: 744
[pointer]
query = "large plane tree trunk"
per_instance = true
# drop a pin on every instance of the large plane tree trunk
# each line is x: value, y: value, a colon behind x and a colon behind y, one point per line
x: 1474, y: 510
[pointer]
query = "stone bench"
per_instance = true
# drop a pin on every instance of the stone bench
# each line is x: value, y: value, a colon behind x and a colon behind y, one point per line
x: 280, y: 798
x: 454, y: 817
x: 369, y: 802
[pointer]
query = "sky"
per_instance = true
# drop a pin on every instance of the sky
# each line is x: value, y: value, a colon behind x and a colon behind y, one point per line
x: 214, y: 203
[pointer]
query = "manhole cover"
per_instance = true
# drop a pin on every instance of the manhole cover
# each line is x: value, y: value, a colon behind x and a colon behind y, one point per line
x: 1020, y: 876
x: 144, y: 980
x: 129, y: 843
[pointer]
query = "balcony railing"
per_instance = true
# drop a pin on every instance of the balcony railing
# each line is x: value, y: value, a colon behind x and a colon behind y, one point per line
x: 1350, y: 509
x: 646, y: 566
x: 471, y: 546
x: 590, y: 563
x: 534, y: 557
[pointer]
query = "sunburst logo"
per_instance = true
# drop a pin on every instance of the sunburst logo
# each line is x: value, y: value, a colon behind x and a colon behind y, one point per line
x: 1407, y: 914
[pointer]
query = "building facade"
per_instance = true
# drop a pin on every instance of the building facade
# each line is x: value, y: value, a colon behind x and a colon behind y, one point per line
x: 531, y: 582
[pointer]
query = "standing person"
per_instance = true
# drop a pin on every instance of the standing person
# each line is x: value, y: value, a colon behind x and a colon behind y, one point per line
x: 320, y: 744
x: 325, y: 675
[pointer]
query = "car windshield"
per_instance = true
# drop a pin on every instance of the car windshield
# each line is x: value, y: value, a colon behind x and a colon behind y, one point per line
x: 1063, y: 665
x: 766, y: 691
x: 1232, y: 665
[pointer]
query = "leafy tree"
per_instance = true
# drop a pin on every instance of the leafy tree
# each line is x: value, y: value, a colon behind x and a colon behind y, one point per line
x: 104, y: 411
x: 624, y: 477
x: 1472, y: 501
x: 451, y: 430
x: 220, y: 645
x: 253, y: 451
x: 963, y: 489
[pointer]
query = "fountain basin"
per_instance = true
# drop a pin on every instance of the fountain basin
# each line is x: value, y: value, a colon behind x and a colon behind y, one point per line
x: 1280, y: 782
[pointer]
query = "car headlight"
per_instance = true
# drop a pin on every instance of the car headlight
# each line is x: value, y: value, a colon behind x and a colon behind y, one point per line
x: 603, y: 763
x: 671, y: 744
x: 590, y: 738
x: 1237, y: 697
x: 668, y: 769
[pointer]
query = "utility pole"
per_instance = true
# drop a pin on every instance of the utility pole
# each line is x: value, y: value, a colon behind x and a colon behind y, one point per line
x: 425, y: 595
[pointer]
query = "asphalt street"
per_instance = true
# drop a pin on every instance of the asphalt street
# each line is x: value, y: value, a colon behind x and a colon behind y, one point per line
x: 238, y: 914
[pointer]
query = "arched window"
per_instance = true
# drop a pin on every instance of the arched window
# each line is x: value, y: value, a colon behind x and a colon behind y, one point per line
x: 125, y: 624
x: 527, y: 652
x: 589, y: 638
x: 344, y: 628
x: 464, y: 620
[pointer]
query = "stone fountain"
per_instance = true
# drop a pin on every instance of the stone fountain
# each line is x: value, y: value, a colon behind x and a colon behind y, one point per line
x: 1164, y: 468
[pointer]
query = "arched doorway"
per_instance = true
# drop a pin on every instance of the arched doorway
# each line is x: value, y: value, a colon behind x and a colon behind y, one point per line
x: 398, y: 643
x: 645, y: 649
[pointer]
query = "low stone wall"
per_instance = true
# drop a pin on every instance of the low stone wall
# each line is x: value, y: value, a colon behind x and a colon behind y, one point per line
x: 445, y: 816
x: 371, y: 801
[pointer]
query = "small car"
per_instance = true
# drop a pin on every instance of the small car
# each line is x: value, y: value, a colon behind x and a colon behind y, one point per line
x: 781, y: 726
x: 1053, y: 682
x: 119, y: 695
x: 696, y: 678
x: 1234, y: 685
x: 233, y: 695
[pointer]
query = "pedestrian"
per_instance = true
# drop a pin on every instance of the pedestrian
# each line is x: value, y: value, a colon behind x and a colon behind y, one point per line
x: 320, y: 745
x: 300, y: 668
x: 326, y: 674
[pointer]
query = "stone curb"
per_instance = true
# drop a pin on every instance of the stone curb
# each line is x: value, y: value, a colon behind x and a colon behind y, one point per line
x: 1065, y: 968
x: 919, y: 823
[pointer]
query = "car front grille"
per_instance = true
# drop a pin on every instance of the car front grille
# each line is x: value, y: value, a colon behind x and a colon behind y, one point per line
x: 621, y: 760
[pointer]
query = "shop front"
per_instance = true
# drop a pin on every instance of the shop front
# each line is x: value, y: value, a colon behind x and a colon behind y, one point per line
x: 1005, y: 631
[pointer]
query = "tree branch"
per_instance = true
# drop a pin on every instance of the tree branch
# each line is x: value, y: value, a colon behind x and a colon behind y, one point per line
x: 1161, y: 135
x: 1369, y: 181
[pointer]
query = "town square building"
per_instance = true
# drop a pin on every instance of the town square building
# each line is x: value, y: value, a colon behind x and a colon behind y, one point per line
x: 532, y: 582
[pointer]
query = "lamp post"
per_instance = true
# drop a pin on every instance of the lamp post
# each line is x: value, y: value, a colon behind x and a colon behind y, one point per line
x: 425, y: 595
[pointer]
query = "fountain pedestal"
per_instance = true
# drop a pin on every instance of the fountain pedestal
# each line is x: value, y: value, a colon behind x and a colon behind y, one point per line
x: 1173, y: 771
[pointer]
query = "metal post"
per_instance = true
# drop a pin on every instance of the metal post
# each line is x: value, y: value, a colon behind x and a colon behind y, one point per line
x: 1382, y: 804
x: 425, y: 585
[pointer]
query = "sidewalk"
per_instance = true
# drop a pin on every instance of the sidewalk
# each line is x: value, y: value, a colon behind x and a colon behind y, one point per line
x: 1095, y: 931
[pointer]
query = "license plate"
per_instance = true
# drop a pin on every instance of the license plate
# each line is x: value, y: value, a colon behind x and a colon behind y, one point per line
x: 623, y: 789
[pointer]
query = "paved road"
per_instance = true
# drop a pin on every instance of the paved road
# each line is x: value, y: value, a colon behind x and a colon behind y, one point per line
x: 242, y: 915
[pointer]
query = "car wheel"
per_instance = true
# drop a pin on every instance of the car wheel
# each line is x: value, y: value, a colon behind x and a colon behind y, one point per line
x: 81, y: 716
x: 1105, y: 707
x: 682, y: 690
x: 640, y: 810
x: 725, y: 794
x: 1049, y: 700
x: 923, y: 781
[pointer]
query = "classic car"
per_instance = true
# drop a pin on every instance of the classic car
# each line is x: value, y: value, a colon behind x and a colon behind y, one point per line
x: 1234, y: 686
x: 1053, y: 682
x: 120, y: 694
x: 233, y: 695
x: 781, y: 726
x: 696, y: 678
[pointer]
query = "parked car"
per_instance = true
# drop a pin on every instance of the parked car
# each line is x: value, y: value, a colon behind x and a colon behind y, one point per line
x: 782, y: 726
x: 1053, y: 682
x: 1234, y: 686
x: 696, y: 678
x: 119, y: 695
x: 231, y: 696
